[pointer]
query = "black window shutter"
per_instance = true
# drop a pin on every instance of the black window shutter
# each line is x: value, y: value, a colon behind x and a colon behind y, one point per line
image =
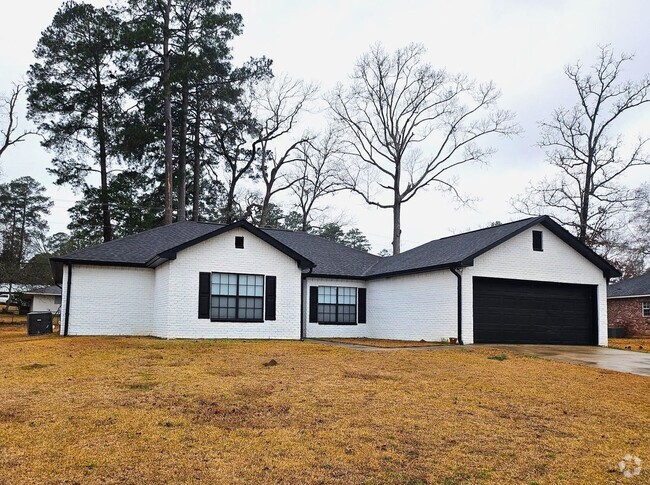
x: 361, y: 302
x: 313, y: 304
x: 204, y: 295
x: 270, y: 298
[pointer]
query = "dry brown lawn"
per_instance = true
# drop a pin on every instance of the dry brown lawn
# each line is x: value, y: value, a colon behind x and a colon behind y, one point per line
x: 640, y: 344
x: 383, y: 343
x: 143, y: 410
x: 11, y: 318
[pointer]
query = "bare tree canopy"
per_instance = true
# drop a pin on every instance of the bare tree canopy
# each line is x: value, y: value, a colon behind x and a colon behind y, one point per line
x: 280, y: 101
x: 316, y: 175
x: 407, y: 125
x: 9, y: 134
x: 264, y: 117
x: 586, y: 194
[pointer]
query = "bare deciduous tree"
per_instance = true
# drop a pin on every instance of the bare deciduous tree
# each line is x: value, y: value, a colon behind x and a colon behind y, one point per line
x: 585, y: 195
x: 9, y: 134
x: 243, y: 136
x: 316, y: 175
x: 280, y: 101
x: 407, y: 126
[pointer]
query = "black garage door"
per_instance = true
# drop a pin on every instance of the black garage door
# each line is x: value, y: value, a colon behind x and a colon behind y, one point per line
x: 534, y: 312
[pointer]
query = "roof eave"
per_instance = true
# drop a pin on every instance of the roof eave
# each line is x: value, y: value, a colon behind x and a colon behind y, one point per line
x: 424, y: 269
x: 619, y: 297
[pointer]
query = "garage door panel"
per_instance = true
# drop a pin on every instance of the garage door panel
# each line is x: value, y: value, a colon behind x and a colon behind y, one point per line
x: 517, y: 311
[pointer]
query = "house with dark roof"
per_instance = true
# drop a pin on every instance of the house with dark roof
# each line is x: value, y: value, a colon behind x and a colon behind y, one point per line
x: 44, y: 299
x: 527, y: 281
x: 628, y: 306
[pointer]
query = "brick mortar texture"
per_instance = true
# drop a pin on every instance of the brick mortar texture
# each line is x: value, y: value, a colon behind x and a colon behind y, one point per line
x: 627, y: 313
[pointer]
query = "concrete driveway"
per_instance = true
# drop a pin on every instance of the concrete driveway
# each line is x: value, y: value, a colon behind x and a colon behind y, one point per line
x: 601, y: 357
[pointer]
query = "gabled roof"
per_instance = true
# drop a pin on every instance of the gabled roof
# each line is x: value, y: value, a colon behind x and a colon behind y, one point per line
x: 639, y: 286
x: 322, y: 256
x: 462, y: 249
x: 151, y: 248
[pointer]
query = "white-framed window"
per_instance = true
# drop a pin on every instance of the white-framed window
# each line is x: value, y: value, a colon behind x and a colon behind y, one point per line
x: 237, y: 297
x: 645, y: 308
x: 337, y: 305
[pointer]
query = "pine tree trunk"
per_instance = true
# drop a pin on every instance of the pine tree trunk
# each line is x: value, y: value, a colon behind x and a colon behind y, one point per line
x: 182, y: 156
x: 168, y: 115
x: 107, y: 229
x: 197, y: 161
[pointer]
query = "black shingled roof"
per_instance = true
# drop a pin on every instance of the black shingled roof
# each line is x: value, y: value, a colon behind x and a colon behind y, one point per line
x: 324, y: 257
x: 639, y: 286
x: 139, y: 249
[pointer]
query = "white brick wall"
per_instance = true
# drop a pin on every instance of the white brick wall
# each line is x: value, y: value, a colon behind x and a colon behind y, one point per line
x: 412, y: 307
x: 109, y: 300
x: 161, y: 299
x: 219, y: 254
x: 515, y: 259
x: 44, y: 303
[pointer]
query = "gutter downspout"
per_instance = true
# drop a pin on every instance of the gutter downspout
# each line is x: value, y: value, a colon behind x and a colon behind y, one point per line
x: 454, y: 270
x: 302, y: 303
x: 67, y: 302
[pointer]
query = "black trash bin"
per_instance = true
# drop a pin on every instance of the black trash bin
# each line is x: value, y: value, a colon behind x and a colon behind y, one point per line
x: 39, y: 323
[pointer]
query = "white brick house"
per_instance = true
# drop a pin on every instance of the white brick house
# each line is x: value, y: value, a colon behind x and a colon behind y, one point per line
x: 45, y: 299
x: 528, y: 281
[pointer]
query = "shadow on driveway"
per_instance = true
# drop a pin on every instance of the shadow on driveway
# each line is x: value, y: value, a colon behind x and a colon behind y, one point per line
x: 601, y: 357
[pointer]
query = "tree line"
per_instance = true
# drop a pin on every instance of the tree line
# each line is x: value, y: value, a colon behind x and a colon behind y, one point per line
x: 150, y: 121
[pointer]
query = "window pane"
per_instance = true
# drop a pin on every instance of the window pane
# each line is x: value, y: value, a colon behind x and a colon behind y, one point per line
x: 326, y: 313
x: 326, y: 294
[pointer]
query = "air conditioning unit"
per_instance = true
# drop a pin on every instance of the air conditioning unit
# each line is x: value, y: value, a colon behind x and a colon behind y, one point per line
x: 39, y: 323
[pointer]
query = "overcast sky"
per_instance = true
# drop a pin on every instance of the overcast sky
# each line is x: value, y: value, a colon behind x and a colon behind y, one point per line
x: 520, y: 45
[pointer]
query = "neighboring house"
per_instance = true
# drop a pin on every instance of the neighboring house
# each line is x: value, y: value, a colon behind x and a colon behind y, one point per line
x: 628, y: 305
x: 45, y: 299
x: 525, y: 281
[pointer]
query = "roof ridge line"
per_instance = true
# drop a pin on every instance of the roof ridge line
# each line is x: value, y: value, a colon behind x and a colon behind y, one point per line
x: 321, y: 237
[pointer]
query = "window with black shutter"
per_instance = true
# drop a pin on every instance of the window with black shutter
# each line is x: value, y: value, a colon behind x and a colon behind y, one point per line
x: 204, y: 295
x: 335, y: 305
x: 237, y: 297
x: 271, y: 283
x: 313, y: 304
x: 537, y: 241
x: 361, y: 302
